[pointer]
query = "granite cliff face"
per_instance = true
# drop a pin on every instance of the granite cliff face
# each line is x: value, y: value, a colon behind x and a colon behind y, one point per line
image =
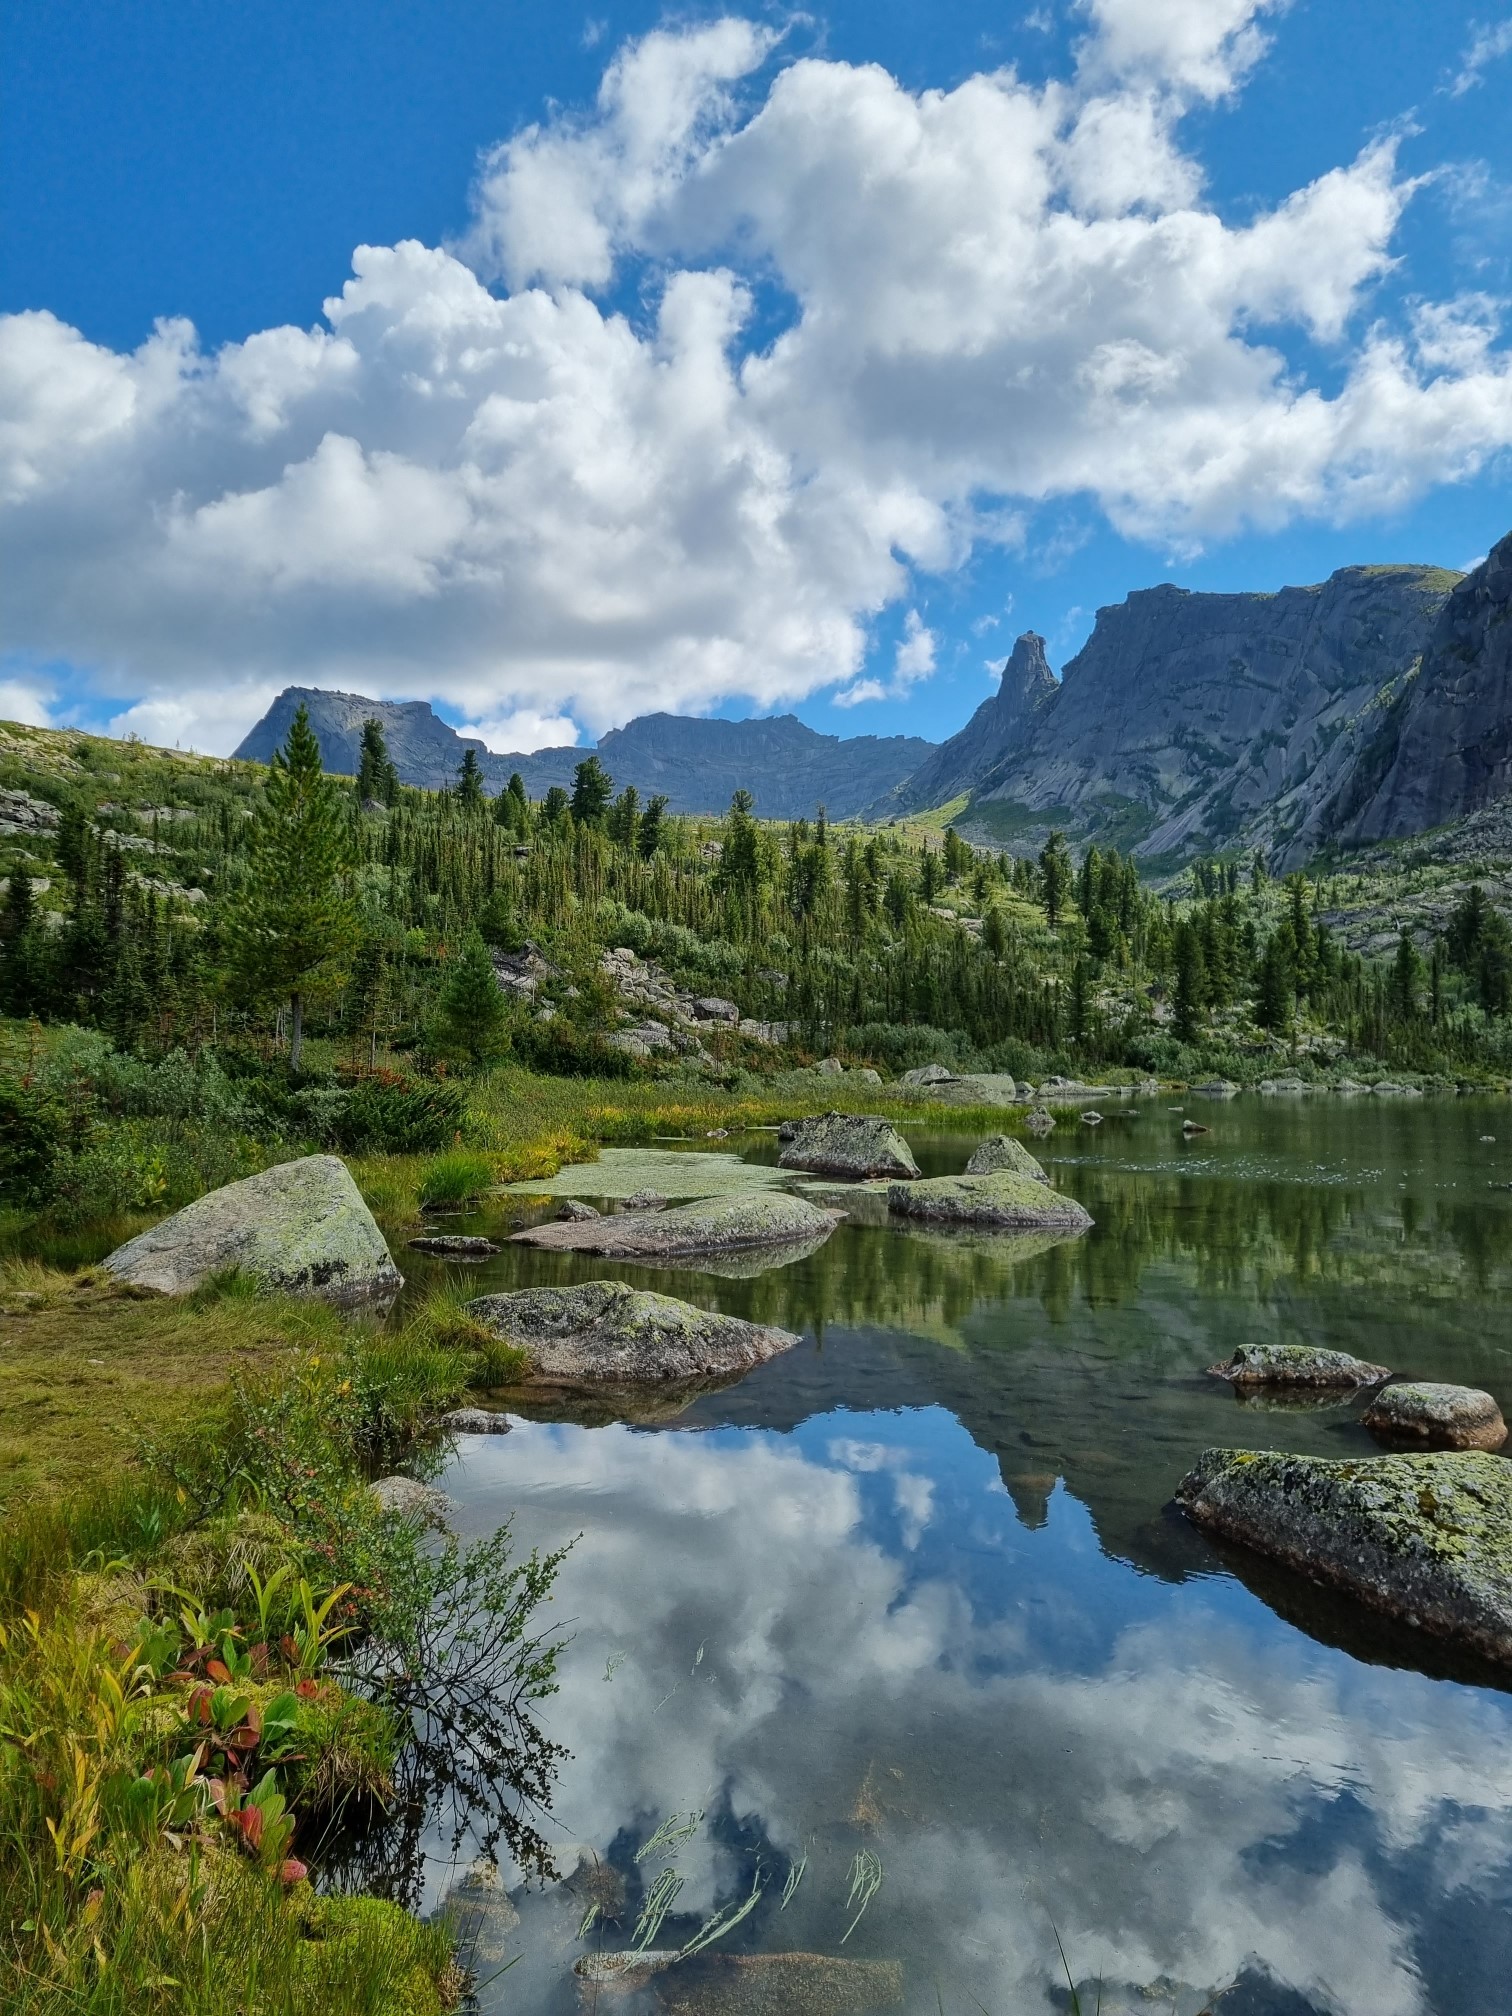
x: 788, y: 768
x: 1444, y: 748
x: 1191, y: 721
x: 1003, y: 723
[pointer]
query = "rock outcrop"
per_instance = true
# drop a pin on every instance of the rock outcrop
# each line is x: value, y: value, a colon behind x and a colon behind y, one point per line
x: 1003, y: 1201
x: 750, y: 1218
x: 1288, y: 688
x: 1298, y: 1365
x: 697, y: 765
x: 299, y: 1228
x: 1000, y: 1153
x: 604, y: 1331
x: 848, y: 1144
x: 1436, y: 1416
x: 1425, y: 1539
x: 1444, y: 748
x: 1001, y: 724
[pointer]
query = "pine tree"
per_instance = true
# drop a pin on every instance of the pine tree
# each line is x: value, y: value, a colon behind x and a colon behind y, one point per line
x: 292, y: 923
x: 377, y: 779
x: 592, y: 787
x: 470, y: 783
x: 472, y: 1006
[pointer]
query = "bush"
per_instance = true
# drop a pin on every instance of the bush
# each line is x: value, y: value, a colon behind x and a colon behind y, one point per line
x: 28, y: 1146
x: 395, y: 1116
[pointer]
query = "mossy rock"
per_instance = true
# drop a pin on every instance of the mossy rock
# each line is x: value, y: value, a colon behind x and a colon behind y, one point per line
x: 1001, y: 1154
x: 1015, y: 1203
x: 1298, y: 1365
x: 848, y: 1144
x: 1426, y: 1539
x: 299, y: 1228
x: 755, y: 1218
x: 1436, y: 1416
x: 406, y: 1968
x: 604, y: 1331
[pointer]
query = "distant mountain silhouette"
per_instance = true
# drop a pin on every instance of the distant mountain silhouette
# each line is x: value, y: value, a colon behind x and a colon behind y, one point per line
x: 789, y: 769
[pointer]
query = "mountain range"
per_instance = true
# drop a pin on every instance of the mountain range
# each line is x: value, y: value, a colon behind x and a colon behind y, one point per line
x: 1373, y: 705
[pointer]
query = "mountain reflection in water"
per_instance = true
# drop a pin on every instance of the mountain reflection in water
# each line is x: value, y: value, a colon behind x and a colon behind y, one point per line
x: 913, y: 1588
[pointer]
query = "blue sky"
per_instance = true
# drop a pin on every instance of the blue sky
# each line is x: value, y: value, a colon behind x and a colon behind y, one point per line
x: 744, y: 432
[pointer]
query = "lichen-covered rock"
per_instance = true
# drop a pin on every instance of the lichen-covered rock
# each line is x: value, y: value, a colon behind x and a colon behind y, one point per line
x: 645, y: 1200
x: 575, y: 1212
x: 848, y: 1144
x: 711, y: 1225
x: 1442, y: 1417
x: 1008, y: 1200
x: 456, y: 1246
x: 1217, y: 1088
x: 604, y: 1330
x: 300, y: 1228
x: 1040, y: 1122
x: 1002, y: 1152
x: 1426, y: 1539
x: 1298, y: 1365
x: 411, y: 1499
x: 475, y: 1421
x: 744, y: 1984
x: 929, y: 1074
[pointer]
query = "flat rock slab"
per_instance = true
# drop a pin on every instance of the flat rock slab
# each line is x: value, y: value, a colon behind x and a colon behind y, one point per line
x: 1018, y: 1203
x: 604, y: 1330
x: 715, y: 1225
x: 848, y: 1144
x: 456, y: 1246
x: 300, y: 1228
x: 1427, y: 1539
x: 1298, y: 1365
x: 669, y: 1172
x: 1442, y: 1417
x: 1001, y: 1153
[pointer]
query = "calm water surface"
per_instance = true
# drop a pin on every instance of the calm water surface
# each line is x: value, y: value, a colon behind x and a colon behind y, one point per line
x: 914, y: 1589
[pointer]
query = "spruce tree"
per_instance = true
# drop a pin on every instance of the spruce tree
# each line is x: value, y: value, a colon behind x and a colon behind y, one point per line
x: 292, y: 923
x: 470, y: 783
x: 377, y: 779
x: 1191, y: 978
x: 1056, y: 878
x: 592, y: 787
x: 653, y: 827
x: 472, y: 1005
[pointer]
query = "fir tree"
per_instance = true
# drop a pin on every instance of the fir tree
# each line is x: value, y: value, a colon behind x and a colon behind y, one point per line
x: 293, y: 921
x: 1406, y: 978
x: 470, y: 783
x: 377, y: 779
x: 592, y: 787
x: 555, y: 806
x: 653, y: 827
x: 1056, y: 874
x: 1273, y: 994
x: 1191, y: 981
x: 625, y: 818
x: 472, y: 1006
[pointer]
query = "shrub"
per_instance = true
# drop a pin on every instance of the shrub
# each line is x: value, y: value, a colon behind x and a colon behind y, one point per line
x: 396, y: 1116
x: 28, y: 1146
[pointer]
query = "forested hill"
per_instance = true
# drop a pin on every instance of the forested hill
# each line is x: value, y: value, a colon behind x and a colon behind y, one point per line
x: 790, y: 770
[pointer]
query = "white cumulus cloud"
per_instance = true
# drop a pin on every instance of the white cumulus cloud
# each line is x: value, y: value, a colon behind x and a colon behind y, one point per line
x: 872, y: 330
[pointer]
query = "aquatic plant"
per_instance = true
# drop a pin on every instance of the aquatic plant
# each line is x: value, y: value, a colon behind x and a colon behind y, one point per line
x: 866, y: 1881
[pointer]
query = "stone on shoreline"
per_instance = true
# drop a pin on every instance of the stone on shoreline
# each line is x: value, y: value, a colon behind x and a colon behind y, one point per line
x: 456, y: 1246
x: 848, y: 1144
x: 475, y: 1421
x: 299, y: 1228
x: 606, y: 1331
x: 712, y: 1225
x: 1440, y: 1417
x: 1298, y: 1365
x: 411, y: 1499
x: 1000, y: 1152
x: 1426, y: 1539
x: 1003, y: 1199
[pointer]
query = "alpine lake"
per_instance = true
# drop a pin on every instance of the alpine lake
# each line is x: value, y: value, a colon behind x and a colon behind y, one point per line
x: 896, y: 1655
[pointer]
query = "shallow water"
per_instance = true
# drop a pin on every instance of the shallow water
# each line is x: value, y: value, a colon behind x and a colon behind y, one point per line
x: 914, y: 1589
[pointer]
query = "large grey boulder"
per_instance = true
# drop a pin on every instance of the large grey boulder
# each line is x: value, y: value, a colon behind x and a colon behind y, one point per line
x: 604, y: 1330
x: 1440, y: 1417
x: 1000, y: 1152
x: 1298, y: 1365
x: 1427, y: 1539
x: 1004, y: 1200
x: 930, y: 1074
x: 713, y: 1225
x: 299, y: 1228
x: 848, y: 1144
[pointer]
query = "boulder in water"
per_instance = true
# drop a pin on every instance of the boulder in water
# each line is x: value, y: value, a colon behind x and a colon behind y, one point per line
x: 1002, y: 1152
x: 1426, y: 1539
x: 1000, y: 1201
x: 1298, y: 1365
x: 730, y: 1224
x: 411, y: 1499
x: 456, y: 1246
x: 1441, y: 1417
x: 606, y: 1331
x: 299, y: 1228
x: 573, y: 1211
x: 848, y: 1144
